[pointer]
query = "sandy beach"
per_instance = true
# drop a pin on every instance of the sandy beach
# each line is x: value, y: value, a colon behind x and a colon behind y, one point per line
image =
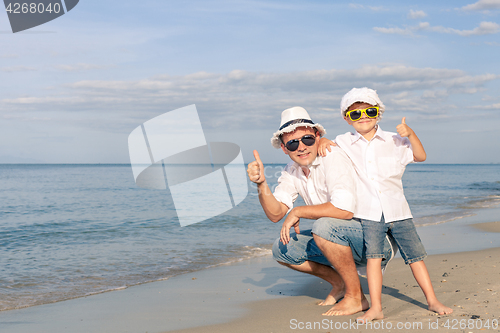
x: 259, y: 295
x: 469, y: 282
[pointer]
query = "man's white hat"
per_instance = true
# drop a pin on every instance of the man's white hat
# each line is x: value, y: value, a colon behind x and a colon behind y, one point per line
x: 364, y: 95
x: 290, y: 120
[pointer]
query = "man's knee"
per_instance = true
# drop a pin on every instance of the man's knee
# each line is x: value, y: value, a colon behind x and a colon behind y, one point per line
x: 277, y: 253
x: 335, y: 230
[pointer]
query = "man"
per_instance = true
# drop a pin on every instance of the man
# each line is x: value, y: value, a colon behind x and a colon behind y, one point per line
x: 328, y: 186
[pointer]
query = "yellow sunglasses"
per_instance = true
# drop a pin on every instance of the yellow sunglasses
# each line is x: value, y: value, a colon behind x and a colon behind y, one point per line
x: 355, y: 115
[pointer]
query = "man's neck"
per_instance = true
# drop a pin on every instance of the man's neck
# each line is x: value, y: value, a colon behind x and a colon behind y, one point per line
x: 306, y: 171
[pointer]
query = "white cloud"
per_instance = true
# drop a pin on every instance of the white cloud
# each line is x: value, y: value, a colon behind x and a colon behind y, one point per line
x: 416, y: 14
x: 489, y: 107
x: 485, y: 28
x: 17, y: 69
x: 483, y: 5
x: 80, y: 67
x: 373, y: 8
x: 241, y: 99
x: 8, y: 56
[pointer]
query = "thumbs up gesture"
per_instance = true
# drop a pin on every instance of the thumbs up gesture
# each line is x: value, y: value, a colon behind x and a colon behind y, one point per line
x: 403, y: 129
x: 255, y: 169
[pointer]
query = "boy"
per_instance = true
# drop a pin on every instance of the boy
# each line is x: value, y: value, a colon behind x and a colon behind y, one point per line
x: 380, y: 159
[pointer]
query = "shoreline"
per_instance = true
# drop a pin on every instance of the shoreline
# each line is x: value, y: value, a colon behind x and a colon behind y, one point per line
x: 244, y: 292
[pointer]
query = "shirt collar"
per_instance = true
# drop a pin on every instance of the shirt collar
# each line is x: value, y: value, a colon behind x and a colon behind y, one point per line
x: 378, y: 134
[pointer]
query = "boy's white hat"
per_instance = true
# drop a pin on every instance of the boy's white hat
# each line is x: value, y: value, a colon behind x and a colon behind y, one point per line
x: 365, y: 95
x: 290, y: 120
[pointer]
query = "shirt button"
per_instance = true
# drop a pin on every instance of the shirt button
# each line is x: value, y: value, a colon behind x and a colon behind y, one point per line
x: 373, y: 178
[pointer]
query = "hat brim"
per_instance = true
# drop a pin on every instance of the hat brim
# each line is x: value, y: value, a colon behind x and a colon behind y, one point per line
x: 276, y: 142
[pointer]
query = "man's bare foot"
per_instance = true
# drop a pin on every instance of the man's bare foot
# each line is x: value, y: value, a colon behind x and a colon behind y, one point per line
x: 371, y: 314
x: 334, y: 296
x: 348, y: 306
x: 439, y: 308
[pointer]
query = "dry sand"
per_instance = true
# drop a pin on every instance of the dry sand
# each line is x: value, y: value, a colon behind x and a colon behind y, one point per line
x: 489, y: 226
x: 468, y: 282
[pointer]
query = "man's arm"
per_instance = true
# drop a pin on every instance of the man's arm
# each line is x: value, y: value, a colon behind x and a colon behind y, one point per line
x: 312, y: 212
x: 274, y: 209
x: 404, y: 130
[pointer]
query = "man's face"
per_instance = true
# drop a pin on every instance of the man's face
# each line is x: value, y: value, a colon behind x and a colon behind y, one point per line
x: 364, y: 124
x: 304, y: 155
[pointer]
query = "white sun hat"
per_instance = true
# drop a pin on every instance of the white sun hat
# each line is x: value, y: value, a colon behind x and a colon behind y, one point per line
x: 290, y: 120
x: 364, y: 95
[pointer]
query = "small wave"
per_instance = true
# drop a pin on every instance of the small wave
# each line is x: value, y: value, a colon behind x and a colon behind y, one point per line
x: 439, y: 219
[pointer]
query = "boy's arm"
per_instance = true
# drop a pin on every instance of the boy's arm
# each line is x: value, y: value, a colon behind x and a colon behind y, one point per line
x: 324, y: 145
x: 274, y: 209
x: 404, y: 130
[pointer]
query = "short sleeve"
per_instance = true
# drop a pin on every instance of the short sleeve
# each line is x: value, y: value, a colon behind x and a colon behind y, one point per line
x: 286, y: 191
x: 405, y: 150
x: 340, y: 181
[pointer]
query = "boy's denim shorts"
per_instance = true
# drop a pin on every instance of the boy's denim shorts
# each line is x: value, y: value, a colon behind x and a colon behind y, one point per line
x: 302, y: 247
x: 404, y: 234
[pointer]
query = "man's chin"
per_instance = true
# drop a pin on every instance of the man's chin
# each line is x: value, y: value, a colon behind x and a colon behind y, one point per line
x: 304, y: 161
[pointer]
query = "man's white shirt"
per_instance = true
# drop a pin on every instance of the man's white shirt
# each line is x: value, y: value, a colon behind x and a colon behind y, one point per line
x: 331, y: 179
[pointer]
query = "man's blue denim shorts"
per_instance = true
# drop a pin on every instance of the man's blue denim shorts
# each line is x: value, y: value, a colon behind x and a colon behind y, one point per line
x: 404, y: 234
x: 302, y: 247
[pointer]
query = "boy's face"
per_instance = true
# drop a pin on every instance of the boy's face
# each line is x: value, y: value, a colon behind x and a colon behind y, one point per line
x: 304, y: 155
x: 364, y: 125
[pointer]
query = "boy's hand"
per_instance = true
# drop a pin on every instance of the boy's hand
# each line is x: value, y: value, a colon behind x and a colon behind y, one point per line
x: 255, y: 169
x: 404, y: 130
x: 324, y: 145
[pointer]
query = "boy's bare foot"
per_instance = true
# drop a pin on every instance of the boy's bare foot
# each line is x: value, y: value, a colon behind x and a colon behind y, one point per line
x: 439, y: 308
x: 371, y: 314
x: 334, y: 296
x: 348, y: 306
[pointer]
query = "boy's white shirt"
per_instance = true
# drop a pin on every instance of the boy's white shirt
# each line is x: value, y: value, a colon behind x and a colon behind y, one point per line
x: 380, y: 164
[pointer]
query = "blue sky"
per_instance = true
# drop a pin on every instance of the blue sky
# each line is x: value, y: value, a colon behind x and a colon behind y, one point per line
x: 73, y: 89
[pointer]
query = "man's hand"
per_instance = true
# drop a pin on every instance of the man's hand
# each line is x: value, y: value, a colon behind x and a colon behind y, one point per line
x: 404, y: 130
x: 256, y: 169
x: 291, y: 221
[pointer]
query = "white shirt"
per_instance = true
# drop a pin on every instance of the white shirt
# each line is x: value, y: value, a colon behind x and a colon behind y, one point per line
x: 380, y: 164
x: 331, y: 179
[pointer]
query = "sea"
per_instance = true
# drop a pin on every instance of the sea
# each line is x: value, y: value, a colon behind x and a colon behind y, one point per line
x: 69, y: 231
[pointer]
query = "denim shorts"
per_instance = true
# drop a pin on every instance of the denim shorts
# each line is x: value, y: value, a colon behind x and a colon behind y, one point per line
x: 404, y: 234
x: 302, y: 247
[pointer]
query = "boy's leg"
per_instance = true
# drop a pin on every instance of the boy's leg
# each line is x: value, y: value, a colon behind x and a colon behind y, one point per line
x: 374, y: 233
x: 413, y: 253
x: 374, y: 274
x: 421, y: 274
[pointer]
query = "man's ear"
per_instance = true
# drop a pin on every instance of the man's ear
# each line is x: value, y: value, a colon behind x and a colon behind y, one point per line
x: 284, y: 149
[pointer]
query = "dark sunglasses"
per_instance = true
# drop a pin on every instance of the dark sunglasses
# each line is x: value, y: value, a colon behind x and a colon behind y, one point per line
x: 293, y: 145
x: 355, y: 115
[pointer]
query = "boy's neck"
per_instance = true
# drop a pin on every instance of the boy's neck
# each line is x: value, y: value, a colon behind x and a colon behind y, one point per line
x: 370, y: 134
